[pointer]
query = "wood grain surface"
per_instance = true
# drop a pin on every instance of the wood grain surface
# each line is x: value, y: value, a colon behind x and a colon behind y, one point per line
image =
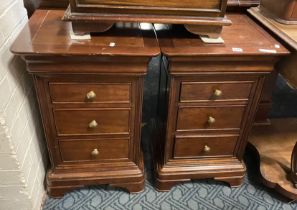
x: 274, y: 145
x: 248, y: 55
x: 91, y: 140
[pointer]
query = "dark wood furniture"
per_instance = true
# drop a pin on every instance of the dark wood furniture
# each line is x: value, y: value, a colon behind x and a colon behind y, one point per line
x: 90, y: 97
x: 243, y: 3
x: 238, y: 5
x: 50, y: 4
x: 275, y: 144
x: 284, y: 11
x: 209, y: 95
x: 65, y: 3
x: 199, y: 16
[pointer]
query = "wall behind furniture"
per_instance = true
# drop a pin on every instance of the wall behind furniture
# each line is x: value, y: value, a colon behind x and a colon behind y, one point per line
x: 22, y: 150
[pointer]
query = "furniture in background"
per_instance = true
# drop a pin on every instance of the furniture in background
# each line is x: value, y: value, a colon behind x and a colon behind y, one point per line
x: 209, y: 95
x: 284, y: 11
x: 274, y: 144
x: 199, y: 16
x: 243, y: 3
x: 90, y: 98
x: 64, y: 3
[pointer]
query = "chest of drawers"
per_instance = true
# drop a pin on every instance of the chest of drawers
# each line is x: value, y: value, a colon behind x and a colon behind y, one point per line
x: 90, y: 98
x: 208, y: 98
x: 64, y: 3
x: 199, y: 16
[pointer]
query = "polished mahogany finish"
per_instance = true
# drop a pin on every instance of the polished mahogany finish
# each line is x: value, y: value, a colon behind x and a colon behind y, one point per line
x: 84, y: 150
x: 274, y: 158
x: 78, y: 93
x: 209, y: 91
x: 204, y: 146
x: 90, y: 98
x: 196, y: 117
x: 64, y: 3
x: 208, y: 99
x: 199, y: 16
x: 75, y: 122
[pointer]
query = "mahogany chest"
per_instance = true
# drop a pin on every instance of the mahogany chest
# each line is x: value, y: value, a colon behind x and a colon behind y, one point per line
x: 90, y: 98
x: 208, y: 99
x: 64, y: 3
x: 199, y: 16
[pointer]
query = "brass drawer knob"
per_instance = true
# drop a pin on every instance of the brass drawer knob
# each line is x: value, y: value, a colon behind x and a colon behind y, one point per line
x: 206, y: 148
x: 95, y: 152
x: 93, y: 124
x: 211, y: 120
x: 91, y: 95
x: 217, y: 93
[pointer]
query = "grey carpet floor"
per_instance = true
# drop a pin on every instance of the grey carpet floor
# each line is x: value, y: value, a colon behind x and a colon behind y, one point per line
x: 199, y: 194
x: 195, y: 195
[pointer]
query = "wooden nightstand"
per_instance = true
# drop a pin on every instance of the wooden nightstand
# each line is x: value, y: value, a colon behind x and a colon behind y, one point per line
x: 208, y: 98
x: 90, y: 98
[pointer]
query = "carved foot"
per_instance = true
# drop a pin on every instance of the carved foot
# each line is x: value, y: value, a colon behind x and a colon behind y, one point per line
x: 210, y: 31
x: 166, y: 185
x: 59, y: 192
x: 232, y: 181
x: 82, y: 27
x: 135, y: 187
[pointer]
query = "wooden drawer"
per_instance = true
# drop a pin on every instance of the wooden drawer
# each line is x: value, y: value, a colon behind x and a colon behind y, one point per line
x: 83, y: 122
x: 195, y: 118
x: 92, y: 150
x: 190, y: 4
x: 204, y: 91
x: 90, y: 93
x: 203, y: 146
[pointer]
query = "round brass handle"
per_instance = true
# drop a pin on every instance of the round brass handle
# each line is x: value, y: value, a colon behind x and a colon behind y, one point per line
x: 217, y: 93
x: 91, y: 95
x: 206, y: 148
x: 95, y: 152
x: 93, y: 124
x: 211, y: 120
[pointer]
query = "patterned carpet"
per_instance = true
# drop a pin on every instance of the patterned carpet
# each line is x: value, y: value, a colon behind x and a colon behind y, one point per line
x: 205, y: 194
x: 196, y: 195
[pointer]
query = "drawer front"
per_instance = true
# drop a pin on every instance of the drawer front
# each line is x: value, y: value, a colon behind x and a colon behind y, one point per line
x: 92, y: 122
x: 90, y: 93
x: 205, y: 91
x: 204, y: 146
x: 192, y: 4
x: 92, y: 150
x: 197, y: 118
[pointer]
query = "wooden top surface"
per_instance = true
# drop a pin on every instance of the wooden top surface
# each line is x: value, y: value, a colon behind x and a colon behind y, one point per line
x: 288, y: 33
x: 47, y: 34
x: 244, y: 37
x: 274, y: 145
